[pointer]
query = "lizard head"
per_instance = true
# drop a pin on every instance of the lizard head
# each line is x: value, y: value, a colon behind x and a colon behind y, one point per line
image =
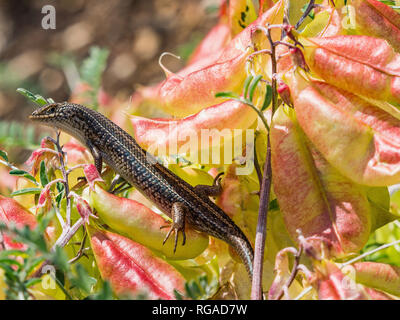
x: 64, y: 116
x: 52, y: 112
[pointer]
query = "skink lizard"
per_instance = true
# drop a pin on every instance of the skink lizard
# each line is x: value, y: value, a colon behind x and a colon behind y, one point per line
x: 175, y: 197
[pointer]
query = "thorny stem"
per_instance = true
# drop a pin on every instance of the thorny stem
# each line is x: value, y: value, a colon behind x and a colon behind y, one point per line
x: 68, y: 231
x: 64, y: 175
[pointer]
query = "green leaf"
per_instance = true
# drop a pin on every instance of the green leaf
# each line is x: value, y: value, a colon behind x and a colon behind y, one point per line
x: 43, y: 175
x: 178, y: 295
x: 227, y: 95
x: 246, y: 85
x: 31, y: 282
x: 10, y: 262
x: 26, y: 93
x: 273, y: 205
x: 268, y: 97
x: 10, y: 273
x: 35, y: 98
x: 17, y: 172
x: 40, y: 100
x: 3, y: 154
x: 388, y: 2
x: 253, y: 86
x: 26, y: 191
x: 22, y: 173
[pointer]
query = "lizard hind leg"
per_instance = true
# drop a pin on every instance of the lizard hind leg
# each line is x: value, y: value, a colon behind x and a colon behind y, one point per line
x: 210, y: 191
x: 178, y: 212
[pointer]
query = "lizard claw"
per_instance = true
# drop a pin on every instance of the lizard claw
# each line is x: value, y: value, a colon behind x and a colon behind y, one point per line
x: 176, y: 229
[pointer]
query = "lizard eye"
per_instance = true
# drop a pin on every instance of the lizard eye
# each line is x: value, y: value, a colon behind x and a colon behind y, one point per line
x: 51, y: 109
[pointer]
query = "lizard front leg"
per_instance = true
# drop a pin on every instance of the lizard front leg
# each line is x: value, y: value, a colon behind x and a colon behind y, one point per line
x: 98, y: 160
x: 178, y: 212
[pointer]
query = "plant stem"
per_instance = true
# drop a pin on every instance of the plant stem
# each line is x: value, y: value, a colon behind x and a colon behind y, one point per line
x: 310, y: 6
x: 64, y: 175
x: 256, y: 290
x: 265, y: 190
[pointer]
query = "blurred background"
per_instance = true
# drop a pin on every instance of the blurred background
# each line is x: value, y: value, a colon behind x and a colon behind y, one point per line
x: 133, y: 34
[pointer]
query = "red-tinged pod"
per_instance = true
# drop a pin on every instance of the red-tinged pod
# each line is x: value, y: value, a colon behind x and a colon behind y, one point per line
x: 184, y: 96
x: 186, y: 93
x: 195, y: 133
x: 381, y: 276
x: 132, y: 269
x: 327, y: 208
x: 363, y: 65
x: 11, y: 212
x: 359, y: 139
x: 379, y: 20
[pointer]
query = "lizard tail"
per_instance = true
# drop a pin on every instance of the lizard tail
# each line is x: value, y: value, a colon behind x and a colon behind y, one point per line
x: 245, y: 251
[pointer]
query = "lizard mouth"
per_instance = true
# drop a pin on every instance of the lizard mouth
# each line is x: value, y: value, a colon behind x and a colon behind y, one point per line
x: 36, y: 116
